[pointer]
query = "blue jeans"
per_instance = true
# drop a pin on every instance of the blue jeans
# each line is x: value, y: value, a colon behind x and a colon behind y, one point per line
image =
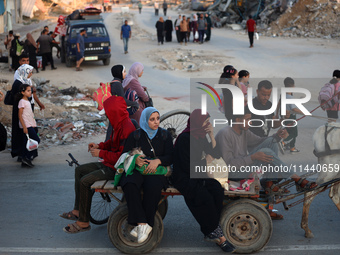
x: 201, y: 35
x: 270, y: 147
x: 125, y: 41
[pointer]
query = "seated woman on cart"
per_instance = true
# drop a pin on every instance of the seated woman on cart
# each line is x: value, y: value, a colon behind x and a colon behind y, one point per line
x: 156, y: 144
x: 203, y: 196
x: 233, y: 143
x: 87, y: 174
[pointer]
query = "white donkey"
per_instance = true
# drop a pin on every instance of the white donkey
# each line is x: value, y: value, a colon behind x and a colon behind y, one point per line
x: 327, y: 148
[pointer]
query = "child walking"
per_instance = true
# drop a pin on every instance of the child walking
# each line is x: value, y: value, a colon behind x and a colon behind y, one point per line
x: 27, y: 124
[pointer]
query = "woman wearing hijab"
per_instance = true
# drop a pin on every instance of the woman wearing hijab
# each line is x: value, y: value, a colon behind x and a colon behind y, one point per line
x: 87, y: 174
x: 156, y: 144
x: 15, y: 57
x: 194, y: 27
x: 118, y: 73
x: 209, y: 26
x: 31, y: 49
x: 25, y: 72
x: 131, y: 82
x: 168, y: 26
x: 203, y: 196
x: 160, y: 30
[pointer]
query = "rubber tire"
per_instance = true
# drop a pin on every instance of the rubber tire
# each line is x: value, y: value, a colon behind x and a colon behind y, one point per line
x: 163, y: 208
x: 119, y: 233
x: 106, y: 61
x: 183, y: 124
x: 258, y: 214
x: 103, y: 206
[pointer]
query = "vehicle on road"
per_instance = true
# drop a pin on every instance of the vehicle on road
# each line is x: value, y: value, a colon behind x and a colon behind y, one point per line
x: 97, y: 39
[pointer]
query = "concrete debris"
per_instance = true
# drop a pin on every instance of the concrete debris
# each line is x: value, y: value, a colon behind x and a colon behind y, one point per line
x: 289, y: 18
x: 308, y: 18
x: 66, y: 117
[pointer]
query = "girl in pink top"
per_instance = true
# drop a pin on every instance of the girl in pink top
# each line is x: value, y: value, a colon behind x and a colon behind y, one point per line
x: 27, y: 124
x: 131, y: 81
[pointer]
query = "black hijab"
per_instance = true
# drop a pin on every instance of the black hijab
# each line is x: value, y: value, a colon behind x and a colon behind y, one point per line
x: 117, y: 71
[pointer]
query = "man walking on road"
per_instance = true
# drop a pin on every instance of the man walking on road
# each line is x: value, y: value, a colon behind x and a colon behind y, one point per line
x: 165, y: 7
x: 125, y: 34
x: 80, y: 49
x: 44, y: 42
x: 251, y: 28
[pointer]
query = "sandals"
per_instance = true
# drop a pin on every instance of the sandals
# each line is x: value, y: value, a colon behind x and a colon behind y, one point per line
x: 272, y: 188
x: 69, y: 216
x: 304, y: 185
x: 74, y: 228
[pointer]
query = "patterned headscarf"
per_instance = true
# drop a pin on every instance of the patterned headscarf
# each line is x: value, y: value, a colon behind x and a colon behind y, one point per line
x: 134, y: 71
x: 23, y: 71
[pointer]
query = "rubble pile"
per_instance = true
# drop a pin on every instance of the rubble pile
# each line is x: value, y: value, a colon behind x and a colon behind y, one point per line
x: 69, y: 115
x: 309, y: 18
x: 186, y: 60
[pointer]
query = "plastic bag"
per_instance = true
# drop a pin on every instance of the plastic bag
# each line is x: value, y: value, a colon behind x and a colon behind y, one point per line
x: 257, y: 36
x: 31, y: 144
x: 196, y: 35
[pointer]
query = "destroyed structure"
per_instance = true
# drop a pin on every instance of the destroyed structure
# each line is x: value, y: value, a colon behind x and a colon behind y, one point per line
x: 69, y: 115
x: 289, y: 18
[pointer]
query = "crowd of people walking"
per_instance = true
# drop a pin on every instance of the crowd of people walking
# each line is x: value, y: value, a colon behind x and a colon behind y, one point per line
x: 191, y: 28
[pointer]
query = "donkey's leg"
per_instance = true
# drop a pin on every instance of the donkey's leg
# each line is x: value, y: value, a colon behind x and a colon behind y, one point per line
x: 334, y: 194
x: 305, y: 213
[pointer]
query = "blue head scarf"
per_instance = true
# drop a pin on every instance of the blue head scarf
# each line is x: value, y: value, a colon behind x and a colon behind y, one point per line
x: 144, y: 119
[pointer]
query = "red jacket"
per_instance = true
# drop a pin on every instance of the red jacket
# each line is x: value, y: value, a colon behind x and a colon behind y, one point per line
x: 115, y: 109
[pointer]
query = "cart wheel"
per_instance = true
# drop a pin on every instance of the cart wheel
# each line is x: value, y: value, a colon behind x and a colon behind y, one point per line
x: 247, y: 225
x: 163, y: 208
x: 175, y: 121
x: 102, y: 206
x: 119, y: 233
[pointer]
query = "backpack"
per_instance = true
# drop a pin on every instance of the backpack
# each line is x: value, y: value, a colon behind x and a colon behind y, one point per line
x: 326, y: 93
x: 131, y: 95
x: 101, y: 94
x: 20, y: 48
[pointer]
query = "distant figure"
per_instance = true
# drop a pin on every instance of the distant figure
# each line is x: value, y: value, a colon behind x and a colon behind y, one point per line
x: 17, y: 47
x: 44, y: 44
x: 160, y: 30
x: 202, y: 27
x: 168, y: 29
x: 189, y: 28
x: 156, y: 5
x: 251, y: 28
x: 80, y: 49
x: 178, y: 32
x: 8, y: 44
x: 184, y: 27
x: 125, y: 35
x: 140, y: 6
x: 165, y: 7
x: 31, y: 49
x: 209, y: 26
x: 194, y: 28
